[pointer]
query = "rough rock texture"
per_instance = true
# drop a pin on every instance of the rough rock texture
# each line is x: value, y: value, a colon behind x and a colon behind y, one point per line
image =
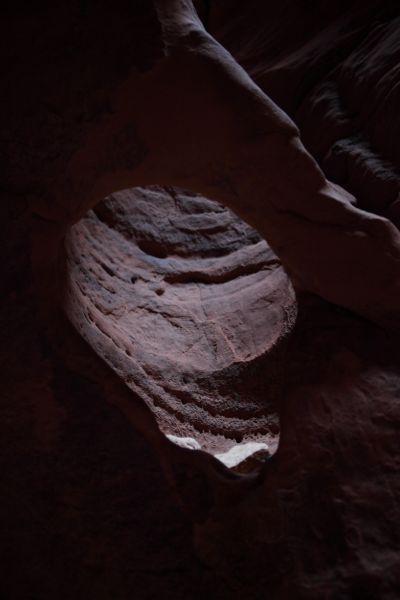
x: 85, y: 512
x: 188, y: 305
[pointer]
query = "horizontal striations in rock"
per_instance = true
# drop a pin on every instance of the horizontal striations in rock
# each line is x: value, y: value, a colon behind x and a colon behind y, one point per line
x: 188, y: 305
x: 179, y: 224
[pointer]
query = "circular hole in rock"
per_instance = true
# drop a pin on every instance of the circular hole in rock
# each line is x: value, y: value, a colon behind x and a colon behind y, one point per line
x: 201, y: 335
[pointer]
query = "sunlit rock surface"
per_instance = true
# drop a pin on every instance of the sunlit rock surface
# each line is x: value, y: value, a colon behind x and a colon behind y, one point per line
x: 189, y: 306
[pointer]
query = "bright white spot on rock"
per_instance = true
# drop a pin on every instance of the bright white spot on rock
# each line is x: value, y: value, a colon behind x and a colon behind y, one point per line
x: 239, y: 453
x: 185, y: 442
x: 231, y: 458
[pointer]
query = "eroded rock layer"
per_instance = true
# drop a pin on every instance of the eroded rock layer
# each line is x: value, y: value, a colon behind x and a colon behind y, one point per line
x: 190, y: 306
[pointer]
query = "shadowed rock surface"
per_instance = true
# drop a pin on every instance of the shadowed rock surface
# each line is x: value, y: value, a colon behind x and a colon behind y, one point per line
x: 85, y: 510
x: 336, y: 75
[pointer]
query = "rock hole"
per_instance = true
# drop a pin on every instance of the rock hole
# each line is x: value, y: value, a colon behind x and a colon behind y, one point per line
x: 209, y: 360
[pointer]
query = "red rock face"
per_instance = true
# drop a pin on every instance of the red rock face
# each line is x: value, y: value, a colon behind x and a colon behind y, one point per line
x: 190, y: 307
x: 192, y: 310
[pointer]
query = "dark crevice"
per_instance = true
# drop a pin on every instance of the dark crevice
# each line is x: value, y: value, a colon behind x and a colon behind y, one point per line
x: 193, y: 277
x: 107, y: 269
x: 153, y: 248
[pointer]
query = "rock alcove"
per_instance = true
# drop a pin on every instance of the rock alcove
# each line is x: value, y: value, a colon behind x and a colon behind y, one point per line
x: 192, y: 309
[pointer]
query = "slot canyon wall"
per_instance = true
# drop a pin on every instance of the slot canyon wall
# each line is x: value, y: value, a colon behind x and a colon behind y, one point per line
x: 158, y: 311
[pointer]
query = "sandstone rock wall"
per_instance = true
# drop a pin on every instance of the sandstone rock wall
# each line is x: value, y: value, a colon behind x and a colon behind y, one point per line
x: 85, y: 511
